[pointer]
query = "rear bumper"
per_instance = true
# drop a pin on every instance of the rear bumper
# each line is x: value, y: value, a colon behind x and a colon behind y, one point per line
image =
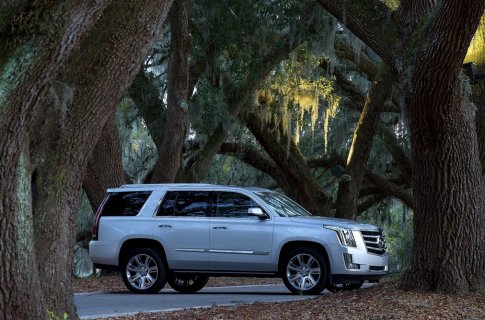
x: 103, y: 253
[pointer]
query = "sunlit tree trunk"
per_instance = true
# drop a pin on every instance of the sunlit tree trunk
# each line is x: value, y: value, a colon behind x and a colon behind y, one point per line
x: 350, y: 182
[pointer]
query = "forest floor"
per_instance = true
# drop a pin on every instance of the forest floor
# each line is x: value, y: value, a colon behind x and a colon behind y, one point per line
x: 383, y: 301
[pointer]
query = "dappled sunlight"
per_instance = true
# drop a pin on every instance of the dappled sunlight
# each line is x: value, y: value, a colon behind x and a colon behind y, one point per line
x: 476, y: 51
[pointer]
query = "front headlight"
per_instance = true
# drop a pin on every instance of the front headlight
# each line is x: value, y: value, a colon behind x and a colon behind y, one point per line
x: 345, y: 236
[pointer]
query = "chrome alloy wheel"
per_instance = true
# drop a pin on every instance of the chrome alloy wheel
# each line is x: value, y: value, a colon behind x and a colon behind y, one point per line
x: 142, y: 271
x: 303, y: 272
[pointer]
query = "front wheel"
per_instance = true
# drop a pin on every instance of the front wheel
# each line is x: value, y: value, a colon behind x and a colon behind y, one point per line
x: 143, y: 271
x: 305, y: 271
x: 187, y: 283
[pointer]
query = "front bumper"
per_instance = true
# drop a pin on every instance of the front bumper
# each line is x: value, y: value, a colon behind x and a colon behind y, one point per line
x: 352, y: 264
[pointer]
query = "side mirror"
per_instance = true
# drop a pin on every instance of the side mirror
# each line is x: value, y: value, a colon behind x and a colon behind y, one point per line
x: 257, y: 212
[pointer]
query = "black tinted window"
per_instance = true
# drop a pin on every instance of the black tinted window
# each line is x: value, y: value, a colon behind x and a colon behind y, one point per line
x: 185, y: 203
x: 125, y: 203
x: 235, y: 205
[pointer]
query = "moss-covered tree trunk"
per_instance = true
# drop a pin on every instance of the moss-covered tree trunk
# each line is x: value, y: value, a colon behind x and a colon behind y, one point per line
x: 449, y: 217
x: 99, y: 75
x: 34, y: 47
x: 170, y: 150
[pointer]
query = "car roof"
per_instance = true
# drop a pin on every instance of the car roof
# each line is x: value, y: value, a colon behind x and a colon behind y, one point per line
x: 182, y: 186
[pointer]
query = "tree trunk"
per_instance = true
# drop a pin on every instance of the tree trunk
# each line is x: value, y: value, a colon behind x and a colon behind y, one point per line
x: 105, y: 167
x: 349, y: 186
x: 169, y: 154
x: 27, y: 72
x: 449, y: 214
x: 100, y: 74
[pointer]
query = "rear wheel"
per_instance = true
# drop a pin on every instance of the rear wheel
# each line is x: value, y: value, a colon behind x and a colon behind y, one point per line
x: 143, y: 271
x: 305, y: 271
x: 187, y: 283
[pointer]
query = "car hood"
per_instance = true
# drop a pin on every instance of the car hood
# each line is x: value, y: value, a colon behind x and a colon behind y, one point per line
x: 347, y: 224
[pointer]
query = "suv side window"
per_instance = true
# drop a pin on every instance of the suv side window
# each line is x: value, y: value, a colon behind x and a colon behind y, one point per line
x: 125, y: 203
x: 185, y: 204
x: 233, y: 205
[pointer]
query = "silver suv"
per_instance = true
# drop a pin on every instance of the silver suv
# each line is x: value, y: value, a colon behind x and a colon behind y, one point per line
x: 184, y: 233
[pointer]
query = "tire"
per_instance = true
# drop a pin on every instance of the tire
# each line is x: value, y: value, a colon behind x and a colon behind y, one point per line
x: 187, y: 283
x: 143, y: 271
x: 344, y: 286
x: 305, y: 271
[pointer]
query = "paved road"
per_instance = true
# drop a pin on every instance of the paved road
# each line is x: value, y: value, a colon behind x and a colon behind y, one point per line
x: 99, y: 305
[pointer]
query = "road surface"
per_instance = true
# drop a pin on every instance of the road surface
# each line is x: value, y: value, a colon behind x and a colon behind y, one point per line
x: 99, y: 305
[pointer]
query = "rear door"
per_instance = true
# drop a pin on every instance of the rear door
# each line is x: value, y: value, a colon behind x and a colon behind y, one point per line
x: 238, y: 241
x: 182, y: 226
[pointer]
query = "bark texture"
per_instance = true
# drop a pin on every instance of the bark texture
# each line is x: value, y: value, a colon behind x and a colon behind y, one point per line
x: 99, y: 74
x: 170, y: 151
x: 449, y: 219
x: 29, y: 65
x: 350, y: 182
x: 479, y: 100
x: 105, y: 166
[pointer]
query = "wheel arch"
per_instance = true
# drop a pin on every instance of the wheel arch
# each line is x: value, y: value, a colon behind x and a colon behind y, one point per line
x: 132, y: 244
x: 292, y: 245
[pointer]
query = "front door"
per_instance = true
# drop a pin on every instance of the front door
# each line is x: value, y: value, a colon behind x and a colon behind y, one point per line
x: 239, y: 241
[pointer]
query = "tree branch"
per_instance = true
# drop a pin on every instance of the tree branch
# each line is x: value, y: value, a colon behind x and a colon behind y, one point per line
x: 369, y: 20
x: 385, y: 185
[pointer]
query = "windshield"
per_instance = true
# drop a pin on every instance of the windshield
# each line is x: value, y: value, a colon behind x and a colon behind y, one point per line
x: 284, y: 206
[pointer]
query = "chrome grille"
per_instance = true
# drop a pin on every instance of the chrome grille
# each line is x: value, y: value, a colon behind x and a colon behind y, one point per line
x: 375, y: 242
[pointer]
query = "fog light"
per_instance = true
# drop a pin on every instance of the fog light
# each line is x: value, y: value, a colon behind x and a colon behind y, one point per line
x: 348, y: 262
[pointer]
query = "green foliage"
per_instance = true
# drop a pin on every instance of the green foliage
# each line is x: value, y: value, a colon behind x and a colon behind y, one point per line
x: 209, y: 108
x: 398, y: 231
x: 139, y: 150
x: 53, y: 316
x: 400, y: 243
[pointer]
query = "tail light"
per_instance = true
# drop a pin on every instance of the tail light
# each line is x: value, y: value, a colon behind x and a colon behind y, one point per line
x: 96, y: 218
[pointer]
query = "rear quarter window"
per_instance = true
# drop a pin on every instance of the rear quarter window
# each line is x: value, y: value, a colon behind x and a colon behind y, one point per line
x: 125, y: 203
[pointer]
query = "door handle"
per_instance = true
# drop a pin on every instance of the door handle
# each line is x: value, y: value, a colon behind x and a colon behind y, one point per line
x: 220, y: 228
x: 164, y: 226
